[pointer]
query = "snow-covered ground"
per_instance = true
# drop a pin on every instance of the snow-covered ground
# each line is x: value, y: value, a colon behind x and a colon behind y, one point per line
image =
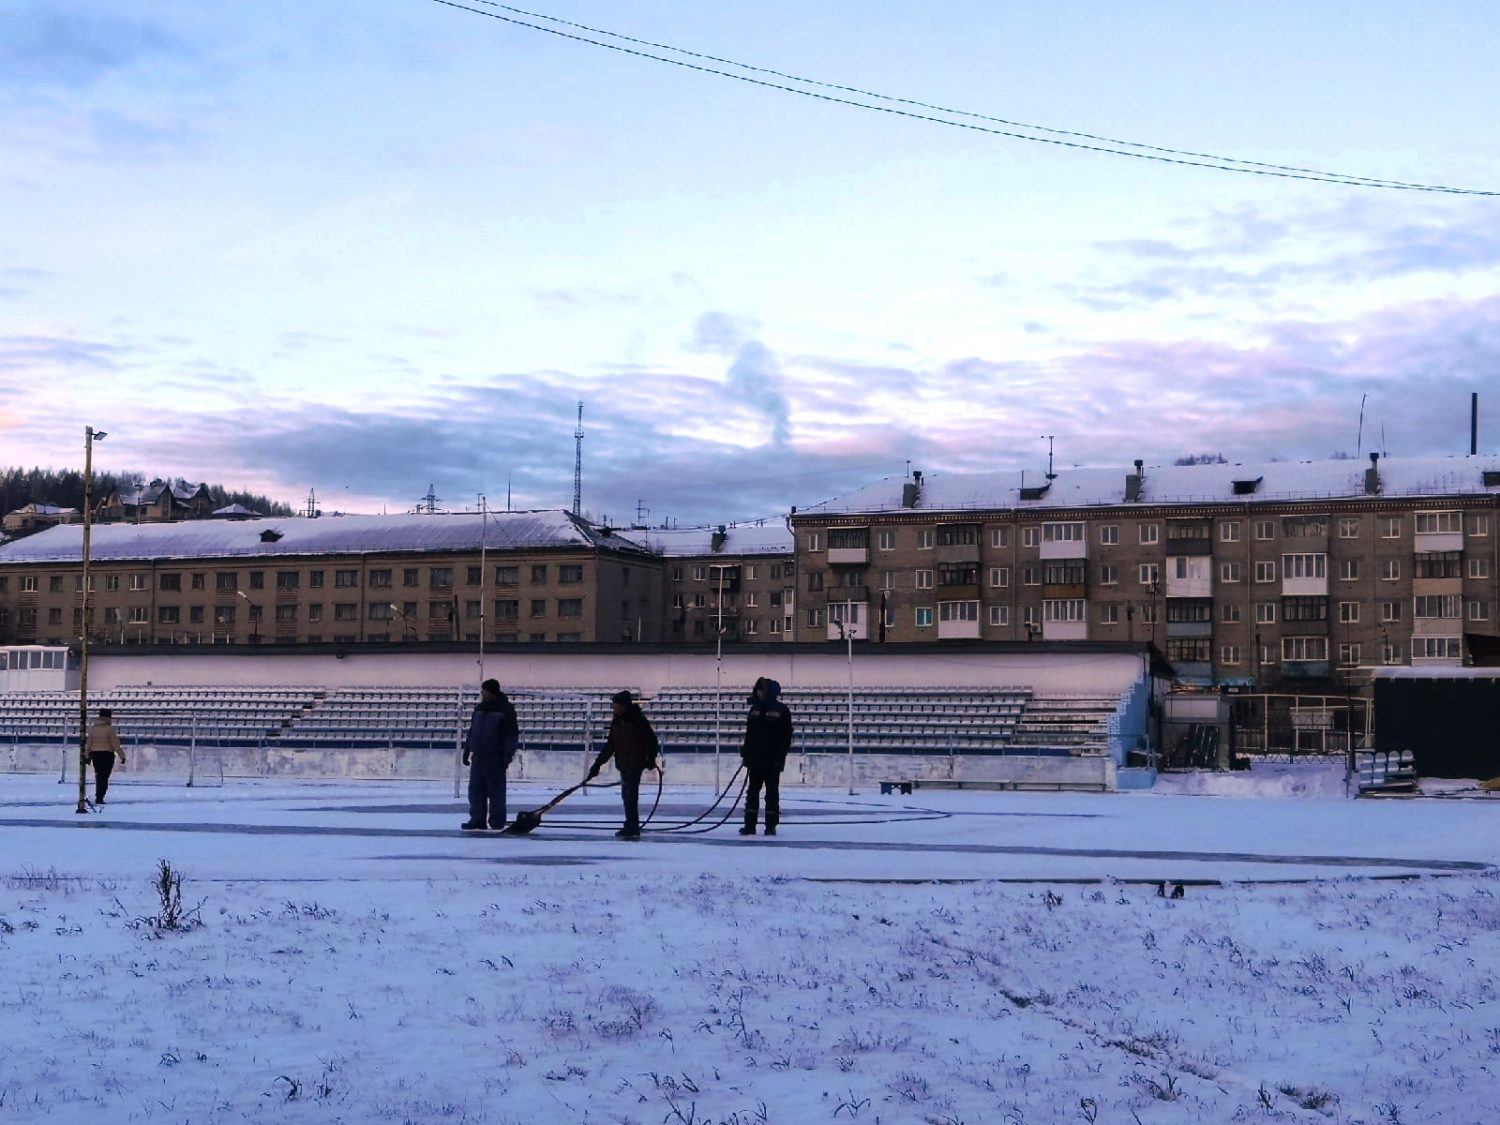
x: 349, y: 956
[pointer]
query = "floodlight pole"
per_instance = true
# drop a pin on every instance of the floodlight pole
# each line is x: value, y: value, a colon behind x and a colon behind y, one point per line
x: 718, y: 682
x: 483, y: 577
x: 848, y: 631
x: 89, y: 437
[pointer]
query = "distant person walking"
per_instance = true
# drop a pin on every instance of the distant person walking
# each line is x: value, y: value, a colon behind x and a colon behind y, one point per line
x: 489, y: 747
x: 103, y: 746
x: 634, y: 746
x: 768, y: 737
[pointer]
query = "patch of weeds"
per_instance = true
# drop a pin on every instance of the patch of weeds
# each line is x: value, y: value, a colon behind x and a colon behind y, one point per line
x: 1320, y: 1101
x: 171, y: 914
x: 1165, y: 1089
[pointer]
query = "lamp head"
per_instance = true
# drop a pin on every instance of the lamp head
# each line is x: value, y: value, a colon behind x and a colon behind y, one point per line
x: 100, y: 435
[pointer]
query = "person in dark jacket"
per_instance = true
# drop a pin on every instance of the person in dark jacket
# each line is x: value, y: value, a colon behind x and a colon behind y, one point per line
x: 489, y: 747
x: 634, y: 746
x: 768, y: 737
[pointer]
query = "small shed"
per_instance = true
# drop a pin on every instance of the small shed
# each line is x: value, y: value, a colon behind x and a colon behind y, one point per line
x: 1449, y: 718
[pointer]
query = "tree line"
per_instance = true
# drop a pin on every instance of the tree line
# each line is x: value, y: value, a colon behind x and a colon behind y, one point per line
x: 19, y: 487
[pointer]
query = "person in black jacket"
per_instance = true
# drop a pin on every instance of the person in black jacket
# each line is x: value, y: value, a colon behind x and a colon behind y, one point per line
x: 489, y: 747
x: 768, y: 737
x: 633, y: 744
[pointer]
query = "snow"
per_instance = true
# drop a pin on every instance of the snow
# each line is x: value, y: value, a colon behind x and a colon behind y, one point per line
x: 948, y: 956
x: 1177, y: 484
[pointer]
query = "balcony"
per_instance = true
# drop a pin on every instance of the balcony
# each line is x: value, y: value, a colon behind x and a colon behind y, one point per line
x: 1190, y: 628
x: 1060, y: 590
x: 1065, y: 549
x: 1433, y: 541
x: 958, y: 553
x: 958, y: 592
x: 837, y: 595
x: 957, y: 630
x: 1196, y: 546
x: 1304, y: 587
x: 1065, y: 630
x: 1305, y: 669
x: 848, y: 556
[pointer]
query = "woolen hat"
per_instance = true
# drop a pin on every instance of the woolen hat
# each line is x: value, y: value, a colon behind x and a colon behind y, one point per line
x: 491, y: 686
x: 622, y: 697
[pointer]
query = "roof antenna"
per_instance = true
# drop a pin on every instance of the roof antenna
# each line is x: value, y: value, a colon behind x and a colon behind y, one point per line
x: 1050, y: 474
x: 578, y: 462
x: 1359, y: 442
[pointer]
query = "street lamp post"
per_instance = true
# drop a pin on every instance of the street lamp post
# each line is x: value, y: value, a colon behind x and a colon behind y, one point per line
x: 406, y: 621
x: 90, y: 435
x: 484, y: 513
x: 250, y: 611
x: 846, y: 632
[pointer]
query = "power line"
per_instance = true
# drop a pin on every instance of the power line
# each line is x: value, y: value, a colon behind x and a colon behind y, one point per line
x: 1087, y: 142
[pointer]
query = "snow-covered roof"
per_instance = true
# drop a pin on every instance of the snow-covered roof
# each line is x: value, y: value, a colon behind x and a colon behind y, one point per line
x: 235, y: 511
x: 1280, y: 481
x: 293, y: 536
x: 770, y: 538
x: 45, y: 510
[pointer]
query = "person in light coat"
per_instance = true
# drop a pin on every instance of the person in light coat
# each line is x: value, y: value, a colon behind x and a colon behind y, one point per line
x: 102, y: 747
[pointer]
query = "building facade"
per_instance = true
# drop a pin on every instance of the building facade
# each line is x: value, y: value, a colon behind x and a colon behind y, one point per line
x: 509, y: 577
x: 1278, y: 575
x: 734, y: 582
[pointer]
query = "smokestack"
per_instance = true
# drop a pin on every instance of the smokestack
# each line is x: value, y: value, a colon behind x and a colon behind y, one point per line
x: 911, y: 491
x: 1133, y: 482
x: 1473, y: 423
x: 1372, y: 476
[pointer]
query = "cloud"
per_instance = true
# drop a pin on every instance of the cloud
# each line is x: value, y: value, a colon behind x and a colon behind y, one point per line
x: 721, y: 333
x: 755, y: 378
x: 46, y: 45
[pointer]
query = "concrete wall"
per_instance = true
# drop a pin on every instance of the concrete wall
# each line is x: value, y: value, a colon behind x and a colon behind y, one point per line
x: 1043, y: 668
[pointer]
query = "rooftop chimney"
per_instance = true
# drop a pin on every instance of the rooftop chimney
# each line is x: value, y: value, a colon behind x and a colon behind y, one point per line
x: 911, y: 491
x: 1133, y: 482
x: 1372, y: 476
x: 717, y: 543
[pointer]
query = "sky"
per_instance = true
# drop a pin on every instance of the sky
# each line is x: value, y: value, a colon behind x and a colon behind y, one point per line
x: 366, y: 249
x: 345, y: 953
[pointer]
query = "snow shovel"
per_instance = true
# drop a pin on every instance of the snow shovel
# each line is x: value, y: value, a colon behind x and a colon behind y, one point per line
x: 529, y: 821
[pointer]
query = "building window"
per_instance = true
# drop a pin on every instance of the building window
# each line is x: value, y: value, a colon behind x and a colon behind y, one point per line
x: 1265, y: 613
x: 570, y: 574
x: 1390, y: 653
x: 1031, y: 536
x: 1440, y: 523
x: 1349, y: 613
x: 1150, y: 533
x: 539, y: 574
x: 1390, y: 612
x: 199, y: 579
x: 473, y: 575
x: 225, y: 581
x: 1349, y: 655
x: 570, y: 607
x: 1428, y: 606
x: 195, y: 614
x: 1062, y: 532
x: 1438, y: 564
x: 1000, y: 537
x: 1479, y: 568
x: 999, y: 576
x: 924, y: 579
x: 1265, y: 530
x: 257, y: 580
x: 1304, y: 609
x: 815, y: 618
x: 1390, y: 527
x: 924, y: 617
x: 1150, y: 574
x: 1348, y: 570
x: 924, y: 539
x: 346, y: 611
x: 1479, y: 611
x: 1349, y: 529
x: 1479, y: 524
x: 1190, y: 650
x: 292, y: 579
x: 1304, y: 648
x: 170, y: 581
x: 752, y: 572
x: 958, y: 611
x: 1229, y: 613
x: 1031, y: 576
x: 345, y: 579
x: 137, y: 582
x: 1265, y: 572
x: 814, y: 541
x: 511, y: 575
x: 1109, y: 615
x: 380, y: 611
x: 1109, y: 575
x: 286, y: 614
x: 814, y: 580
x: 1229, y: 655
x: 538, y: 607
x: 1304, y: 566
x: 224, y: 615
x: 752, y: 627
x: 1436, y: 648
x: 168, y: 615
x: 1390, y: 570
x: 507, y: 609
x: 1109, y: 534
x: 999, y: 615
x: 1229, y: 531
x: 440, y: 578
x: 1229, y: 572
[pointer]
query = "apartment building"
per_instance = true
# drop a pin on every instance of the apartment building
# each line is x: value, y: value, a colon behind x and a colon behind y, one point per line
x: 509, y: 576
x: 736, y: 578
x: 1272, y: 575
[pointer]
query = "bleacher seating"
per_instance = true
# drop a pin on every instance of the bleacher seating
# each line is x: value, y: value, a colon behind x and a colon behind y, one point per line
x: 903, y: 720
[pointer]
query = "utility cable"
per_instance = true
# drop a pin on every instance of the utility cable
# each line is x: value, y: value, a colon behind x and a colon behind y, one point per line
x: 1086, y: 142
